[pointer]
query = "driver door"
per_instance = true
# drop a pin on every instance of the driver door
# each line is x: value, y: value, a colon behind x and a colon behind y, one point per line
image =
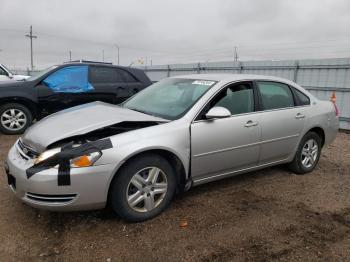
x: 223, y: 146
x: 64, y: 88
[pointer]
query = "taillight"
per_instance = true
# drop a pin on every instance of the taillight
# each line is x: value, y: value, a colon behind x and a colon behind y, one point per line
x: 336, y: 110
x: 334, y: 100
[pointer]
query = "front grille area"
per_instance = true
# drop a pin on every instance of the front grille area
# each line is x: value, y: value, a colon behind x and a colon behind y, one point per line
x: 58, y: 199
x: 25, y: 151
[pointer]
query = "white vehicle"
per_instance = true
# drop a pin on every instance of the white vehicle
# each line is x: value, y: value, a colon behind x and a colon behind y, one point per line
x: 6, y: 74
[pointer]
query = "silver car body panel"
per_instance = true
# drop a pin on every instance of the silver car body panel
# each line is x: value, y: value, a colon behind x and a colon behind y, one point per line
x: 208, y: 149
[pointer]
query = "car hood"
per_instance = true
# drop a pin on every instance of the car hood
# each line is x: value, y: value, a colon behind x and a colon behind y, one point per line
x: 80, y: 120
x: 11, y: 84
x: 20, y: 77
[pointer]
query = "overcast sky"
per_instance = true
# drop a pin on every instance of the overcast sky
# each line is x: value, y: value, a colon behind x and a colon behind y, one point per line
x: 177, y: 31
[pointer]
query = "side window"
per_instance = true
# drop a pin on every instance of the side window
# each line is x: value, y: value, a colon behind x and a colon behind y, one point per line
x: 303, y: 99
x: 275, y: 95
x: 3, y: 72
x: 104, y: 75
x: 127, y: 76
x: 70, y: 79
x: 238, y: 98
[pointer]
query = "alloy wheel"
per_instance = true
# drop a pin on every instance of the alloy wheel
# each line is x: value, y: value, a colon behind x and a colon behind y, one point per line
x: 13, y: 119
x: 147, y: 189
x: 309, y: 153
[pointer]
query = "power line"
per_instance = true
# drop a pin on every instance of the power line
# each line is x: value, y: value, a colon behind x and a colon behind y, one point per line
x: 207, y: 50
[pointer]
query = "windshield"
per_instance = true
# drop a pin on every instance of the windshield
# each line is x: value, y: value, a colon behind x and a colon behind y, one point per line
x: 41, y: 73
x: 170, y: 98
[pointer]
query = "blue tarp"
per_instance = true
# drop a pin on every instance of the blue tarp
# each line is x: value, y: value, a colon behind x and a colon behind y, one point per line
x: 71, y: 79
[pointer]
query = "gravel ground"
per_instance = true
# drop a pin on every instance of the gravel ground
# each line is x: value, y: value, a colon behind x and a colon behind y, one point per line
x: 261, y: 216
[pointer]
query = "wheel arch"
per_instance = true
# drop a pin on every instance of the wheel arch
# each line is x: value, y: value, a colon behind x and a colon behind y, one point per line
x: 319, y: 131
x: 31, y: 105
x: 174, y: 160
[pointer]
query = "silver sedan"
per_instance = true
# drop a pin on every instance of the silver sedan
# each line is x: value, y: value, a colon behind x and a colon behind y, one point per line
x: 180, y: 132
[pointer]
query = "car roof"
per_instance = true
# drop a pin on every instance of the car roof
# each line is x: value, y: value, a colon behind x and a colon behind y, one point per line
x: 99, y: 64
x: 89, y: 63
x: 231, y: 77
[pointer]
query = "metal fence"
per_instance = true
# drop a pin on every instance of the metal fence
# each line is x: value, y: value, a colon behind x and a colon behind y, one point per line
x: 321, y: 77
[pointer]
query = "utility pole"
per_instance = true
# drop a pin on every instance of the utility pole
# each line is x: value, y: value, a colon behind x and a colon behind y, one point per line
x: 31, y: 36
x: 236, y: 54
x: 117, y: 46
x: 70, y: 56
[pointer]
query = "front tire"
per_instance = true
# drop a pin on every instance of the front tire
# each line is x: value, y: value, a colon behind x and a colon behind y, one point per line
x: 307, y: 155
x: 143, y: 188
x: 14, y: 118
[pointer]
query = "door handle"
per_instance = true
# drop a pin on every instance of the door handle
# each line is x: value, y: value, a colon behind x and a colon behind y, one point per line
x: 251, y: 123
x: 299, y: 115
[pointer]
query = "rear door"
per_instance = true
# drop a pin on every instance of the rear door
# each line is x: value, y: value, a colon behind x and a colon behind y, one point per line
x: 222, y: 146
x: 282, y: 121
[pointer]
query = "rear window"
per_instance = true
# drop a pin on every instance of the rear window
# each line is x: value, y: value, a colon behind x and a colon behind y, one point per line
x: 275, y: 95
x: 127, y: 76
x: 303, y: 99
x: 100, y: 75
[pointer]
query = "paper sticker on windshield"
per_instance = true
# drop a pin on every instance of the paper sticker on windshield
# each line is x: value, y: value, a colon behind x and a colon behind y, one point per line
x: 203, y: 82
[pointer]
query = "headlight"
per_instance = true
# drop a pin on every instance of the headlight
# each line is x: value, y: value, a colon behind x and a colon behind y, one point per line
x: 45, y: 155
x: 80, y: 161
x: 85, y: 160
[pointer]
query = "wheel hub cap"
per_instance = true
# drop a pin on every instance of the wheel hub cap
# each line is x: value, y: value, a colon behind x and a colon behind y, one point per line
x: 146, y: 189
x: 309, y: 153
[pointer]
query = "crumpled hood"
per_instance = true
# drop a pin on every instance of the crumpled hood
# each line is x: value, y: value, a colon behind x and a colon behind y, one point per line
x: 79, y: 120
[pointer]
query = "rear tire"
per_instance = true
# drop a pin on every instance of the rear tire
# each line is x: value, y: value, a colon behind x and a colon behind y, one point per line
x: 307, y: 155
x: 14, y: 118
x: 143, y: 188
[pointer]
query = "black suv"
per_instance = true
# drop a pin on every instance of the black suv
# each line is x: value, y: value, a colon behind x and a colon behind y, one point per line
x: 63, y: 86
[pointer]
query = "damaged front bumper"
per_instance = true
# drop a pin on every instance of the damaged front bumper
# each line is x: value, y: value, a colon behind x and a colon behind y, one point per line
x: 88, y: 187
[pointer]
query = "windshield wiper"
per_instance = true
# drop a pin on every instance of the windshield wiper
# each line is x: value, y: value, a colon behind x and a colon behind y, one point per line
x: 140, y: 111
x: 144, y: 112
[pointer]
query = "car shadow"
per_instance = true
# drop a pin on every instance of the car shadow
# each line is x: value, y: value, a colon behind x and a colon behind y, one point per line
x: 236, y: 180
x: 107, y: 214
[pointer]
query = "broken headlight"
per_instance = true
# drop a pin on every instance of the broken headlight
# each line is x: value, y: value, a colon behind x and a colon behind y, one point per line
x: 47, y: 154
x: 78, y: 161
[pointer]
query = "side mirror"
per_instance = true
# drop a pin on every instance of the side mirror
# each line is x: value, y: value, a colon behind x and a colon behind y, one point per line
x: 218, y: 112
x: 10, y: 75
